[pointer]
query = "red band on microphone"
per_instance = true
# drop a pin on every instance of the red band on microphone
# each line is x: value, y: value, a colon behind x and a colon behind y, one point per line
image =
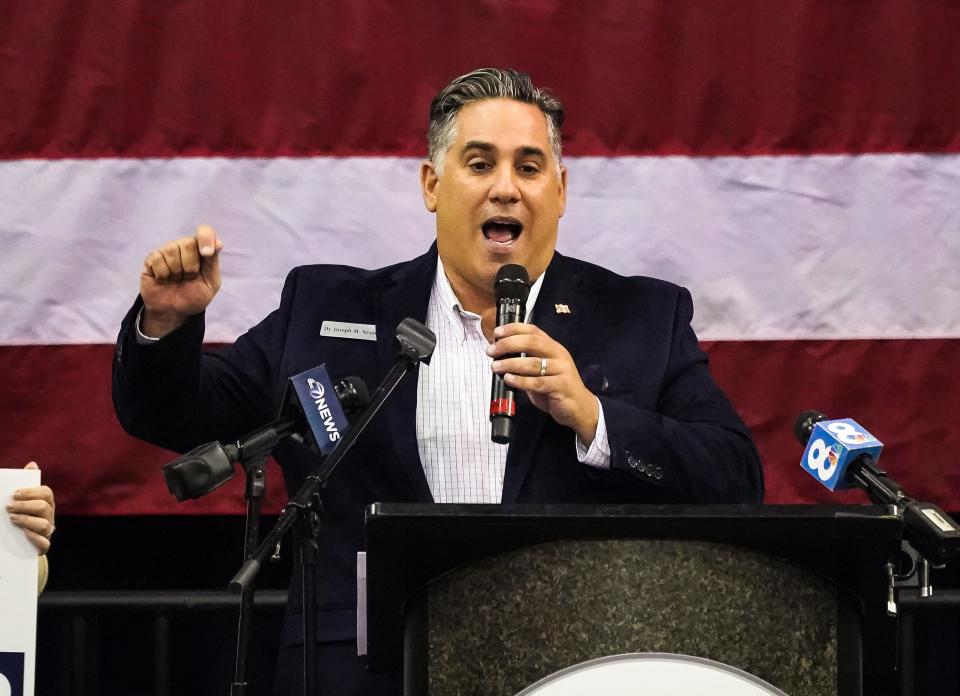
x: 503, y: 407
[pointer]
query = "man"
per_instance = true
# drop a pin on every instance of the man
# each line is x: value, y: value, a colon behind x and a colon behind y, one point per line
x: 618, y: 406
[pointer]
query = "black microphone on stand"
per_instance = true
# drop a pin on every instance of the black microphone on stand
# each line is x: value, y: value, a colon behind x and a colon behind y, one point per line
x: 207, y: 467
x: 510, y: 289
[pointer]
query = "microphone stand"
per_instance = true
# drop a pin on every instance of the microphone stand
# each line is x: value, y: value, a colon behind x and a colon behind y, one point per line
x: 934, y: 535
x: 415, y: 344
x: 254, y: 492
x: 252, y: 454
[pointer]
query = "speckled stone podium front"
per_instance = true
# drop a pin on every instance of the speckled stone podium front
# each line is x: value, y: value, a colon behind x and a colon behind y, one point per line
x: 504, y: 623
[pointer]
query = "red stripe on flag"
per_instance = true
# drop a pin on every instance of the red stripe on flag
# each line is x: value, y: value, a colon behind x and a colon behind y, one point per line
x: 55, y: 407
x: 905, y: 392
x: 252, y: 78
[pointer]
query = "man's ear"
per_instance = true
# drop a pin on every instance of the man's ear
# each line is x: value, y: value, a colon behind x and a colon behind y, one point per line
x: 563, y: 189
x: 428, y: 185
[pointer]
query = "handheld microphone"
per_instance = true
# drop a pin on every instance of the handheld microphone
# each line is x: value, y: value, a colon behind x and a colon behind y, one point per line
x: 842, y: 454
x: 313, y: 412
x: 510, y: 289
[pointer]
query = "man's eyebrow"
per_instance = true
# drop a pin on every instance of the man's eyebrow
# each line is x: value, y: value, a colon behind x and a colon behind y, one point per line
x: 524, y: 151
x: 531, y: 151
x: 479, y: 145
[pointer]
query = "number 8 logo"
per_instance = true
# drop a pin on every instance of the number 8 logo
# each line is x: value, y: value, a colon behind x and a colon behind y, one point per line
x: 819, y: 461
x: 846, y: 433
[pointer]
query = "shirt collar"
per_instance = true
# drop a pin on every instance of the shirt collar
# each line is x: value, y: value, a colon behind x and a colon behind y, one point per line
x: 448, y: 299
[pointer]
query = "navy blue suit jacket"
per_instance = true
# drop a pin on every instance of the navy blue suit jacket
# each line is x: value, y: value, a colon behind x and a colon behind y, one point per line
x: 673, y: 435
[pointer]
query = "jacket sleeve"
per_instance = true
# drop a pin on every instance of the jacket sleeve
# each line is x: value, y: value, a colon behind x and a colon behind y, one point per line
x: 175, y: 394
x: 693, y: 445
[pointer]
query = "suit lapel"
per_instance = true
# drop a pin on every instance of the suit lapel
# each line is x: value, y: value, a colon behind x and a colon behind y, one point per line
x: 407, y: 295
x: 563, y: 289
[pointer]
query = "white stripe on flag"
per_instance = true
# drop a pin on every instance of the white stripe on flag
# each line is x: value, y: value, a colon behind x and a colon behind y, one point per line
x: 771, y: 247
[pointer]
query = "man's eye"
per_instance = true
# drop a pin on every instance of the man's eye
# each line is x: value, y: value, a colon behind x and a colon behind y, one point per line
x: 478, y: 166
x: 528, y: 169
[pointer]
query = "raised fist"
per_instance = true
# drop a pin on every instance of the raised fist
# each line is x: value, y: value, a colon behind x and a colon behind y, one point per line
x: 178, y: 280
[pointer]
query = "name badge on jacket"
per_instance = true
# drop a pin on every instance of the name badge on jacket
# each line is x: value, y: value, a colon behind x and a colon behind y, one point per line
x: 345, y: 329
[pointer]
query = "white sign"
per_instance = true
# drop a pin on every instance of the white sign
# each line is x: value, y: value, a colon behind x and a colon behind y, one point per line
x: 361, y: 603
x: 651, y: 674
x: 18, y: 592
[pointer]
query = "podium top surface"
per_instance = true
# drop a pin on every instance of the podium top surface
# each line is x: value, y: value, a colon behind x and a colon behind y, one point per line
x: 593, y: 510
x: 425, y: 522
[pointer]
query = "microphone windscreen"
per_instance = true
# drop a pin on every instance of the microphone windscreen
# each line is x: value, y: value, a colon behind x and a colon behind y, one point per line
x: 803, y: 425
x: 416, y: 341
x: 353, y: 393
x: 199, y: 471
x: 512, y: 282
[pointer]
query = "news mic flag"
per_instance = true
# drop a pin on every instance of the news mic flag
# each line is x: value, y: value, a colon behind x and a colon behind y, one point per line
x: 321, y: 407
x: 832, y: 446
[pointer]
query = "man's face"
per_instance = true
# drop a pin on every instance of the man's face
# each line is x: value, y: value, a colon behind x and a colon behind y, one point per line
x: 500, y: 197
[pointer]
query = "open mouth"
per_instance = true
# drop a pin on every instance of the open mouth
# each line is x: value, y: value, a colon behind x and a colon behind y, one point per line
x: 502, y: 230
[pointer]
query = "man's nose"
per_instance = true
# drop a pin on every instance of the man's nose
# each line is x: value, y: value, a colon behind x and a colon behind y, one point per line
x: 503, y: 188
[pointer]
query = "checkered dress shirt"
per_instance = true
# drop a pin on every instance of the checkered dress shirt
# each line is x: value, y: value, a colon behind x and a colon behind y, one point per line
x: 461, y: 463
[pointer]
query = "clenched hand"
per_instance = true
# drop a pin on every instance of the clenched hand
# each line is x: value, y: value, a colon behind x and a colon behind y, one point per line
x: 178, y: 280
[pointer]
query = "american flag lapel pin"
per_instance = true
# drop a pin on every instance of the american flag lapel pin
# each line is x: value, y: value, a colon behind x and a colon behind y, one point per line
x: 562, y: 308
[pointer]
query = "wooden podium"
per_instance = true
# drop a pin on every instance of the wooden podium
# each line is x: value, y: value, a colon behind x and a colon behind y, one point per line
x: 488, y: 599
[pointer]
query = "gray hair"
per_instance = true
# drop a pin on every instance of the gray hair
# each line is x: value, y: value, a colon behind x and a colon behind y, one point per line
x: 487, y: 83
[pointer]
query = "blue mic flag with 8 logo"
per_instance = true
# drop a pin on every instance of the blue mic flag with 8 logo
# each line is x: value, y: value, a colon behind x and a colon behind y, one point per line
x: 833, y: 444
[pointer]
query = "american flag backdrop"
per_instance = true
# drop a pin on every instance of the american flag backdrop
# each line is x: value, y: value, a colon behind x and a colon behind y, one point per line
x: 794, y: 163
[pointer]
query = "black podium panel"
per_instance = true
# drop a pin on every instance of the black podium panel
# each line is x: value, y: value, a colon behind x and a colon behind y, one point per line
x: 466, y: 574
